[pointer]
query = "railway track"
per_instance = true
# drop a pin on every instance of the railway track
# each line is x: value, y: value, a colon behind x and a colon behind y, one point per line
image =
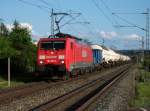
x: 8, y: 95
x: 80, y: 98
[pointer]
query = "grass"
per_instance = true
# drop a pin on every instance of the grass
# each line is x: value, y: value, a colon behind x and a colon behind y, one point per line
x: 4, y: 83
x: 144, y: 75
x: 18, y: 80
x: 143, y: 95
x: 142, y: 98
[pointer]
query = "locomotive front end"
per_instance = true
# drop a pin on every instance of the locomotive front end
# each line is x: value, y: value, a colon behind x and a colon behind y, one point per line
x: 51, y: 54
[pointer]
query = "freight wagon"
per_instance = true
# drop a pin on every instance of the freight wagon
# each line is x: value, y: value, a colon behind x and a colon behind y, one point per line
x: 106, y: 57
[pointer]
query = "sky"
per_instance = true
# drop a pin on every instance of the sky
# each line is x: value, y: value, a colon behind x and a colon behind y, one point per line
x: 96, y: 23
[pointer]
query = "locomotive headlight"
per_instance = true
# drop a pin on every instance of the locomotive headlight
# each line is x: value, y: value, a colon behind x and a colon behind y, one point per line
x: 41, y: 62
x: 61, y: 57
x: 42, y: 57
x: 62, y: 62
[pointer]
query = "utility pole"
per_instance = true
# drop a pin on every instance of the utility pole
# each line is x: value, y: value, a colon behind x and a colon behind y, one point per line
x: 57, y: 17
x: 103, y: 41
x: 142, y: 41
x: 52, y: 22
x: 55, y: 20
x: 147, y: 29
x: 8, y: 71
x: 147, y: 40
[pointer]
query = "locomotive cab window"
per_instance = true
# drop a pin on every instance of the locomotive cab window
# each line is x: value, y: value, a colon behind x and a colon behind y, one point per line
x: 58, y: 45
x: 46, y: 45
x: 52, y: 45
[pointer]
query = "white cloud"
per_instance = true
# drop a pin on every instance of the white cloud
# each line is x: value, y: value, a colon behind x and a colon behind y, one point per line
x: 133, y: 37
x: 23, y: 25
x: 99, y: 34
x: 26, y: 25
x: 96, y: 36
x: 35, y: 35
x: 108, y: 35
x: 9, y: 26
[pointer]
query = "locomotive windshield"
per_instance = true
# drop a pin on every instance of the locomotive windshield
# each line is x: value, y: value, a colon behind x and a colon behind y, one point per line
x: 52, y: 45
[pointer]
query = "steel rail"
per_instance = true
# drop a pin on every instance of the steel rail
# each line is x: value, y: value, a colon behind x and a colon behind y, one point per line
x: 10, y: 94
x: 56, y: 101
x: 6, y: 96
x: 99, y: 93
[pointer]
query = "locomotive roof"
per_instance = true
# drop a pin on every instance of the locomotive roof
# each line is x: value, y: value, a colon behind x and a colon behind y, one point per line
x: 62, y: 35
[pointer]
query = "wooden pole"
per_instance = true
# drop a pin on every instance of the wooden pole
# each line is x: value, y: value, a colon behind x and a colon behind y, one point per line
x: 8, y: 71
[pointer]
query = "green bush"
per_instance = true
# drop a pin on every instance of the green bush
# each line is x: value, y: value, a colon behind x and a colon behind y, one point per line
x: 18, y: 46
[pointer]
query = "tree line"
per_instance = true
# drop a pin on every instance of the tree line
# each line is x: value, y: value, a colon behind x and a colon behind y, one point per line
x: 17, y: 44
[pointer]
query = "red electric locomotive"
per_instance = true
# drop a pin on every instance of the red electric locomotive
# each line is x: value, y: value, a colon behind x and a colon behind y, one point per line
x: 64, y: 54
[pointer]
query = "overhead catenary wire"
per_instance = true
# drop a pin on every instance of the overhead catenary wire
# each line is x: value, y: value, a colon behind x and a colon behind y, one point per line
x: 60, y: 15
x: 146, y: 29
x: 70, y: 20
x: 130, y: 23
x: 116, y: 23
x: 110, y: 18
x: 83, y: 23
x: 44, y: 2
x: 74, y: 29
x: 43, y: 8
x: 48, y: 4
x: 107, y: 7
x: 46, y: 7
x: 128, y: 13
x: 59, y: 4
x: 101, y: 11
x: 113, y: 17
x: 88, y: 25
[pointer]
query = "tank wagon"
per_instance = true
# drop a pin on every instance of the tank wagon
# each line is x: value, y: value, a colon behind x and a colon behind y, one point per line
x: 65, y: 55
x: 106, y: 57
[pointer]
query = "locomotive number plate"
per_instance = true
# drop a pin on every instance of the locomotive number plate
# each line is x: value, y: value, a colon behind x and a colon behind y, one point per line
x: 51, y: 57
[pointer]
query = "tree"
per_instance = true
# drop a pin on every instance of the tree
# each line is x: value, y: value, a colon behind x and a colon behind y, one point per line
x: 5, y: 45
x: 6, y: 51
x: 21, y: 41
x: 20, y: 37
x: 18, y: 46
x: 3, y: 30
x: 5, y: 48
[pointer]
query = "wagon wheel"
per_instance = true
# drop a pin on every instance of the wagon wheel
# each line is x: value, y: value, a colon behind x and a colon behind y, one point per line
x: 74, y: 73
x: 66, y: 76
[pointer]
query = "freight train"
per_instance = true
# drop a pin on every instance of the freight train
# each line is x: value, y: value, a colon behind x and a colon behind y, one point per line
x: 66, y: 56
x: 106, y: 56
